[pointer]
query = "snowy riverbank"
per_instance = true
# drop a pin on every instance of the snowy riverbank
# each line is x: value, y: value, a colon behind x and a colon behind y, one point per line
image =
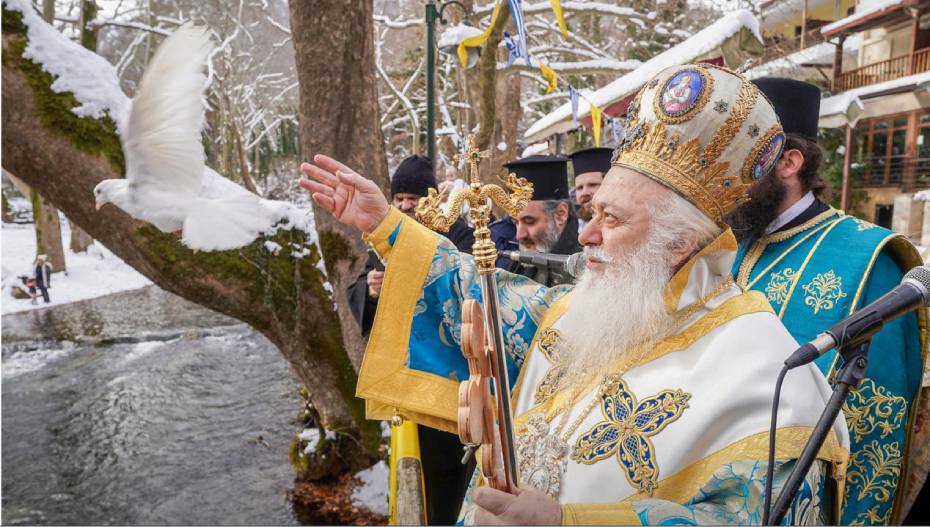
x: 91, y: 274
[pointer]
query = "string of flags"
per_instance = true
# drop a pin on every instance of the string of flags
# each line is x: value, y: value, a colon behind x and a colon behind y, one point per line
x: 517, y: 49
x: 574, y: 96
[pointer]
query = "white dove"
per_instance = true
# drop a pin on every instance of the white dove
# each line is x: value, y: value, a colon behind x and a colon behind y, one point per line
x: 165, y: 182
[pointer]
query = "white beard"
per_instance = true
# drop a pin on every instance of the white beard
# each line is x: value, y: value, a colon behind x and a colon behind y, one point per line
x: 611, y: 313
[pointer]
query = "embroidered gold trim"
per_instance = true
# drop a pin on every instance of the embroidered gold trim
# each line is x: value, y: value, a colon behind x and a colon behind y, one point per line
x: 680, y: 167
x: 758, y: 248
x: 555, y: 312
x: 781, y: 236
x: 384, y: 379
x: 745, y: 303
x: 803, y: 267
x: 676, y: 286
x: 707, y: 88
x: 685, y: 483
x: 744, y: 104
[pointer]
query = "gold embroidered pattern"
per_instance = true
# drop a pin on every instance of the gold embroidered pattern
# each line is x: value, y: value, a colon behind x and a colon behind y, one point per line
x: 549, y: 346
x: 870, y: 407
x: 874, y: 471
x: 823, y: 291
x: 626, y: 430
x: 728, y: 130
x: 777, y: 289
x: 706, y: 185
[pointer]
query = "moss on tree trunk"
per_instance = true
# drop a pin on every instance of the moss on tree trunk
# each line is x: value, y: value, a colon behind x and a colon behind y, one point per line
x: 280, y: 294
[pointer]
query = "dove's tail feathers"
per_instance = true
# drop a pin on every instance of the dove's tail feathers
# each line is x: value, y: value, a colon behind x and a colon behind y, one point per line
x: 167, y: 113
x: 224, y: 224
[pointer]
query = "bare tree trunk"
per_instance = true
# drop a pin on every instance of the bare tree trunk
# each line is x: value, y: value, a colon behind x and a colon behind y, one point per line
x: 506, y: 119
x: 243, y: 162
x: 44, y: 215
x: 80, y: 240
x: 48, y: 231
x: 281, y: 294
x: 334, y: 45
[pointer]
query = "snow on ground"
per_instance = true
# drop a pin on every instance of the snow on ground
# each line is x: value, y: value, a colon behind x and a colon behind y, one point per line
x: 372, y: 494
x: 94, y: 273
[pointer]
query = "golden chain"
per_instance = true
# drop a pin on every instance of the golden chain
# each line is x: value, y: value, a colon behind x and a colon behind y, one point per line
x: 696, y: 306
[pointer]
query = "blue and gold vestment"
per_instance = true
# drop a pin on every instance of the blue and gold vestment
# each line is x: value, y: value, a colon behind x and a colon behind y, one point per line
x: 817, y: 274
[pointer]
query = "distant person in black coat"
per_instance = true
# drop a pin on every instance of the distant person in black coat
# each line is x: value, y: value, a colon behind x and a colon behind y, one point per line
x: 446, y: 478
x: 43, y: 276
x: 410, y: 182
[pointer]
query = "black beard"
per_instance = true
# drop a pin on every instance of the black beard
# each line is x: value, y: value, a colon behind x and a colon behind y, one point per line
x: 750, y: 219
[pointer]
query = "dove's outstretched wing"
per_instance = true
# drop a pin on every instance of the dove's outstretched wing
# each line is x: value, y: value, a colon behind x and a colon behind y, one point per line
x: 162, y: 142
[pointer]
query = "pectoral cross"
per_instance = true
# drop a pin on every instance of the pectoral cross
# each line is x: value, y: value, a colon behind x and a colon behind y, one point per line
x: 431, y: 214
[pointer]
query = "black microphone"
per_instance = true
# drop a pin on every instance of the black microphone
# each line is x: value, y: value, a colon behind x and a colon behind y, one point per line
x: 562, y: 264
x: 912, y: 293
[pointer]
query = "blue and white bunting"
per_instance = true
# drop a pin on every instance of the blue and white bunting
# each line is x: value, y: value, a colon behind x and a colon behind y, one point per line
x: 573, y: 97
x: 513, y: 52
x: 516, y: 12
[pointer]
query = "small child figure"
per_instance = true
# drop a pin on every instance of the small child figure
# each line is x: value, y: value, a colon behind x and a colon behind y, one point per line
x: 30, y: 284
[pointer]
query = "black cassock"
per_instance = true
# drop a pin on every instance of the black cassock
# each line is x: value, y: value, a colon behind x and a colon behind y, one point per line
x: 446, y: 478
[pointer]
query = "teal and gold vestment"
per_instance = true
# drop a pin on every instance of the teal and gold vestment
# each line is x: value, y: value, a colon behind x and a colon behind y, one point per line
x: 818, y: 273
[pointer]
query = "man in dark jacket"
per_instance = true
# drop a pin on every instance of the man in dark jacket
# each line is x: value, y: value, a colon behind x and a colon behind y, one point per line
x: 446, y: 478
x: 547, y: 224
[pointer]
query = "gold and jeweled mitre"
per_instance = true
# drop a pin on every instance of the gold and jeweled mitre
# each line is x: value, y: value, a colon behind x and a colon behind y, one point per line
x: 705, y: 132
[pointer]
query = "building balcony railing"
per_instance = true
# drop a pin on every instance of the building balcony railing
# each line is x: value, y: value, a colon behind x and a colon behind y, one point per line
x: 776, y: 48
x: 886, y: 70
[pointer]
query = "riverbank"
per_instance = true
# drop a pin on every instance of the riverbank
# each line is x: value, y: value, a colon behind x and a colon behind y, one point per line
x: 91, y: 274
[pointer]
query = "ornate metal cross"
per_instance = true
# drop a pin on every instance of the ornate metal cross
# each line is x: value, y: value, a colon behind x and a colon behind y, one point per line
x: 500, y: 454
x: 430, y: 213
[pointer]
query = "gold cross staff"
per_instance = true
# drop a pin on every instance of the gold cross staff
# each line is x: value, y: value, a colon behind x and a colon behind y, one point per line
x: 498, y: 460
x: 431, y: 214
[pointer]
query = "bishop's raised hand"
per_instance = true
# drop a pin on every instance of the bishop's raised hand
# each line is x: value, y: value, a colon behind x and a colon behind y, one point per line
x: 352, y: 199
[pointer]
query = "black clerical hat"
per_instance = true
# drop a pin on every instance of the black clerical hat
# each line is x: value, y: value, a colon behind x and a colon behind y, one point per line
x: 548, y: 174
x: 591, y: 160
x: 796, y: 103
x: 414, y: 176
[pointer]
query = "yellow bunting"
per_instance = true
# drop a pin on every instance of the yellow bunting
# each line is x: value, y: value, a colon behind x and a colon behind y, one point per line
x: 551, y: 78
x: 596, y: 124
x: 478, y: 40
x: 560, y: 17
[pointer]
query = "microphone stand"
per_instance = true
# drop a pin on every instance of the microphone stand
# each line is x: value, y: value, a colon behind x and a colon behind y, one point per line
x: 855, y: 362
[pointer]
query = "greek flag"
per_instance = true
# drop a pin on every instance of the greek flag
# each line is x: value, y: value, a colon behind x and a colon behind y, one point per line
x: 573, y: 96
x: 516, y: 11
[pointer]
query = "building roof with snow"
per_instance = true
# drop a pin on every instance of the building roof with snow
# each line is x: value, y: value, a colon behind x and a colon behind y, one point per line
x: 863, y: 15
x: 698, y: 46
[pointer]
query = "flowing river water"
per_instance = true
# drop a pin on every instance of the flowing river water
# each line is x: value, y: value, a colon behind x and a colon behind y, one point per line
x: 142, y: 408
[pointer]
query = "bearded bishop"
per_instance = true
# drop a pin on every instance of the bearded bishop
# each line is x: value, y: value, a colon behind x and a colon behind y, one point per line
x: 641, y: 395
